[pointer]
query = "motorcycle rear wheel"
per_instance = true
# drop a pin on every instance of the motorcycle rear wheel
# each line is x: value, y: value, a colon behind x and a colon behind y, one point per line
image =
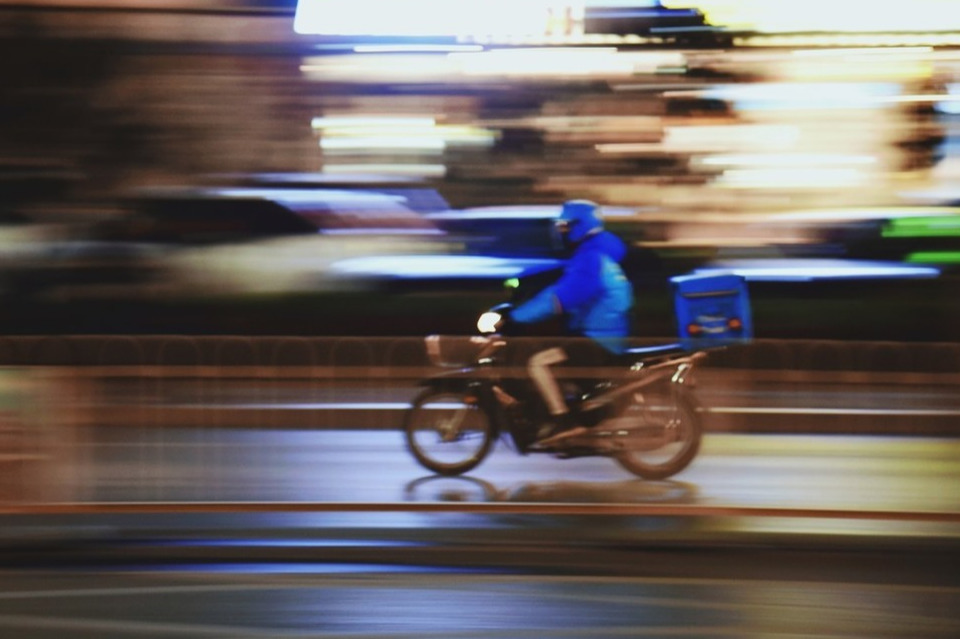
x: 664, y: 432
x: 447, y: 434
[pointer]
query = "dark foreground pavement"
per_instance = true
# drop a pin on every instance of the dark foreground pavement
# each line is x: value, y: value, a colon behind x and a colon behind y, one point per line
x: 455, y: 573
x: 763, y: 536
x: 525, y: 537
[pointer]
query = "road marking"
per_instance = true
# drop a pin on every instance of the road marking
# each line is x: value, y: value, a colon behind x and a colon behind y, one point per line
x: 731, y: 410
x: 876, y: 412
x: 305, y: 406
x: 482, y: 508
x: 136, y: 627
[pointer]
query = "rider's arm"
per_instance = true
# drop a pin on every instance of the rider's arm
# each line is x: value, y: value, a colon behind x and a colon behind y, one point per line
x: 538, y: 308
x: 581, y: 282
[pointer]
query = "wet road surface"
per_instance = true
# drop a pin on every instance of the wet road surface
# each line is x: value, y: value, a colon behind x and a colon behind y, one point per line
x: 268, y: 465
x: 769, y: 536
x: 316, y: 601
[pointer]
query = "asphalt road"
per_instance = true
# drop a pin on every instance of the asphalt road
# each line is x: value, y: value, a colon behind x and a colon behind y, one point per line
x: 369, y: 601
x: 185, y: 532
x: 152, y: 528
x: 149, y: 464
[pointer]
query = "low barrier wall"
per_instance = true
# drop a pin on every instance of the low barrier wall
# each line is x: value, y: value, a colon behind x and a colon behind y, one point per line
x: 229, y: 351
x: 67, y: 402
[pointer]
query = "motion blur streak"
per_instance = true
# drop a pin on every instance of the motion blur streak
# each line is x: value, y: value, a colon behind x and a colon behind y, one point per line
x: 423, y: 17
x: 772, y: 16
x: 259, y: 419
x: 222, y: 243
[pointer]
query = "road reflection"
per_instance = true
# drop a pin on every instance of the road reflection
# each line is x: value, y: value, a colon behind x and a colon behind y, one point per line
x: 471, y: 489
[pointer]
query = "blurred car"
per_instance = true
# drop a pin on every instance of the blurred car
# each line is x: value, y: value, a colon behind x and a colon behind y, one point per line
x: 214, y: 242
x: 418, y: 194
x: 230, y: 241
x: 503, y: 231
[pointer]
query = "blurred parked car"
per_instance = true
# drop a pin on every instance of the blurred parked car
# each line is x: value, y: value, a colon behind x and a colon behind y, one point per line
x: 250, y: 240
x: 210, y: 242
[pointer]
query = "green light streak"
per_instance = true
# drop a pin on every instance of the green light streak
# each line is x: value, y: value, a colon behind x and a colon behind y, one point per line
x: 934, y: 257
x: 923, y: 227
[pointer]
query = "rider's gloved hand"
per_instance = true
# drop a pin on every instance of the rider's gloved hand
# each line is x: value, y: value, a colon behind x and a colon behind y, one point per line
x: 495, y: 320
x: 505, y: 318
x: 504, y: 322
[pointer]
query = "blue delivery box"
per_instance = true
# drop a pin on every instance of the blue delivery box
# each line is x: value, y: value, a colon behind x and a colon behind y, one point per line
x: 712, y: 308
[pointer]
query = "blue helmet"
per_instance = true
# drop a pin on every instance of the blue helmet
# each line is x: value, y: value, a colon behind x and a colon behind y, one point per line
x: 578, y: 220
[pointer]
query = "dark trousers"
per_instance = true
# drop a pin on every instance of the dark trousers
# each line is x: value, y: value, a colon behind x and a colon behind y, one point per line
x: 571, y: 367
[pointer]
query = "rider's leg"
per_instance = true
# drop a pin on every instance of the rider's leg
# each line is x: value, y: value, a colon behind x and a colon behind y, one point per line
x: 588, y: 363
x: 539, y: 369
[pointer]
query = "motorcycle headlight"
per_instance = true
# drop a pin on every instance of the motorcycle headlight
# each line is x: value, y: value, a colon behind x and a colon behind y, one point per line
x: 488, y: 322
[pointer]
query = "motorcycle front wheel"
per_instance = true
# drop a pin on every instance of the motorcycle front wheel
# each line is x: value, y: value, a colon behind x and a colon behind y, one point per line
x: 447, y: 434
x: 660, y: 432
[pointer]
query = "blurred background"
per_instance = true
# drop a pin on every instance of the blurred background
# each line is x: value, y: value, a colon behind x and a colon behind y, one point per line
x: 226, y: 227
x: 222, y: 166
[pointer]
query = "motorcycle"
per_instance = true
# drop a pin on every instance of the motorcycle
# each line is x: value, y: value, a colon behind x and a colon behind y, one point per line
x: 641, y: 411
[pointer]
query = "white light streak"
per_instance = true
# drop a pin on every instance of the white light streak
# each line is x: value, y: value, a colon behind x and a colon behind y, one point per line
x: 358, y: 122
x: 438, y: 266
x: 852, y: 16
x: 429, y: 17
x: 794, y: 178
x: 402, y: 169
x: 737, y: 136
x: 788, y: 160
x: 855, y: 53
x: 810, y: 270
x: 806, y: 95
x: 375, y: 144
x: 417, y: 48
x: 561, y: 61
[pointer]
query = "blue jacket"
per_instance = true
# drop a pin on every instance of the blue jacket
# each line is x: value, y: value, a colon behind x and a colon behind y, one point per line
x: 593, y: 292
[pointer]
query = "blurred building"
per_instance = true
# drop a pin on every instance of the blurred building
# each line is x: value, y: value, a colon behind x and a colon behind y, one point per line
x: 705, y: 132
x: 102, y: 96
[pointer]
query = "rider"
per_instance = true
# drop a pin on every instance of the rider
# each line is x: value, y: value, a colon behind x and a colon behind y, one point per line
x: 594, y: 297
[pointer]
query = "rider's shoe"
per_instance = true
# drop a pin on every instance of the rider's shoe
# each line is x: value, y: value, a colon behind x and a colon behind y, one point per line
x: 562, y: 424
